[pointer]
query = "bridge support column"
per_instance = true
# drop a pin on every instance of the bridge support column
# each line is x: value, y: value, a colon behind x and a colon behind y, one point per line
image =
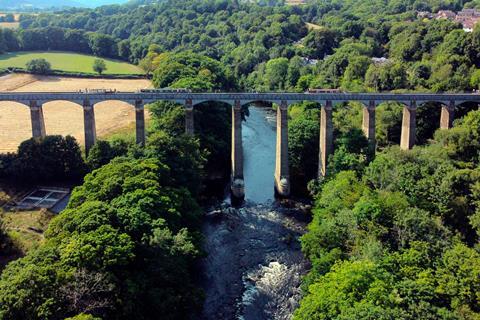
x: 238, y: 185
x: 368, y: 125
x: 447, y: 115
x: 89, y: 125
x: 140, y: 122
x: 409, y: 126
x: 38, y: 122
x: 282, y: 172
x: 189, y: 120
x: 326, y: 138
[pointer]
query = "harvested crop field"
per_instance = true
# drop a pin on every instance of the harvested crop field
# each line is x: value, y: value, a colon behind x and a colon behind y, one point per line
x: 62, y: 117
x: 10, y: 25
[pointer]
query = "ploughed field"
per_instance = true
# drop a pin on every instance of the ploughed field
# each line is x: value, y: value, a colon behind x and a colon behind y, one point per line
x: 62, y: 117
x: 67, y: 61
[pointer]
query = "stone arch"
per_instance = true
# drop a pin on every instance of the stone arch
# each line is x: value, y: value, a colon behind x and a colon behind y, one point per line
x: 196, y: 103
x: 15, y: 124
x: 246, y: 103
x: 203, y: 102
x: 439, y: 102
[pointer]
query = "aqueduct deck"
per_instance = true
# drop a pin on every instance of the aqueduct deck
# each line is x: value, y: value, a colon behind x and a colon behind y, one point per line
x: 448, y: 101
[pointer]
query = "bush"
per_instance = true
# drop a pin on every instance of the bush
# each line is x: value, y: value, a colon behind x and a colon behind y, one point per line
x: 6, y: 244
x: 39, y: 66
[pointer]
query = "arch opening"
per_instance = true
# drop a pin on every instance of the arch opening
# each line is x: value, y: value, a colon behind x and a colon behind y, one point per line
x: 304, y: 144
x: 115, y: 118
x: 388, y: 123
x: 213, y: 128
x: 64, y: 118
x: 428, y: 120
x: 463, y: 108
x: 15, y: 125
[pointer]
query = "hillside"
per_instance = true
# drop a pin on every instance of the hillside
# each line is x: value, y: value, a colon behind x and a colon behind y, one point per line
x: 45, y: 4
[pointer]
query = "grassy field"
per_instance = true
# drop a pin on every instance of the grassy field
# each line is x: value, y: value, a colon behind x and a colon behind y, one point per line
x: 26, y: 228
x: 66, y: 61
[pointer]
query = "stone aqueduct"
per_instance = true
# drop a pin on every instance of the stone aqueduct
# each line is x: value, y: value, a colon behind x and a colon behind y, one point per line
x: 237, y: 100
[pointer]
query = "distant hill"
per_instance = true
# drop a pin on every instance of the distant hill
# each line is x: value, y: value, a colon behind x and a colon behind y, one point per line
x: 98, y: 3
x: 45, y: 4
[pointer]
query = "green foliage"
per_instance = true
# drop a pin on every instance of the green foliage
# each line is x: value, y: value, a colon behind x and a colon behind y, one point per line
x: 183, y: 156
x: 125, y: 242
x: 53, y: 158
x: 399, y: 242
x: 276, y: 73
x: 83, y: 316
x: 99, y: 66
x: 303, y: 137
x: 6, y: 245
x: 190, y: 70
x: 461, y: 142
x: 320, y: 43
x: 103, y: 151
x: 38, y: 66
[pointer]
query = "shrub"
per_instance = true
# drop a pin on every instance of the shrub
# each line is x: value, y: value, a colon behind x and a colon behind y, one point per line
x: 39, y: 66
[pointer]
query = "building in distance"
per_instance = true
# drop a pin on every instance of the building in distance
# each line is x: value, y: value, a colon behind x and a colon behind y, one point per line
x: 467, y: 17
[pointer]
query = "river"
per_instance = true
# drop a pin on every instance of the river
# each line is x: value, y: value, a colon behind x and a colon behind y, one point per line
x: 254, y: 265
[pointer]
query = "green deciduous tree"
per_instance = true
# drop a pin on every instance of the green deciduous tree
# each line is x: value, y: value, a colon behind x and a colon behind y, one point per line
x: 99, y: 66
x: 39, y: 66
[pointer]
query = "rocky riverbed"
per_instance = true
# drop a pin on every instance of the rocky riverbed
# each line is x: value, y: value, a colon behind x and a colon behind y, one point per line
x: 254, y: 265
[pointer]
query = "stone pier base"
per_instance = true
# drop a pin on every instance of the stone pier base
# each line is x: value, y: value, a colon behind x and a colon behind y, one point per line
x: 282, y: 172
x: 89, y: 126
x: 409, y: 126
x: 238, y: 185
x: 368, y: 126
x: 38, y: 122
x: 447, y: 116
x: 326, y: 138
x: 189, y: 119
x: 140, y: 123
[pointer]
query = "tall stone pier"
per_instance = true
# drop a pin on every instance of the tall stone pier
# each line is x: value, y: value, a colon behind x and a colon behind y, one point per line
x: 409, y: 126
x: 238, y: 184
x: 140, y: 122
x: 326, y: 138
x: 282, y: 172
x: 89, y: 125
x: 38, y: 122
x: 189, y: 124
x: 368, y: 125
x: 447, y: 115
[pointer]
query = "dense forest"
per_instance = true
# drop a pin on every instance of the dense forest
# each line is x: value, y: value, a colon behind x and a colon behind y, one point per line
x: 254, y: 39
x: 395, y: 235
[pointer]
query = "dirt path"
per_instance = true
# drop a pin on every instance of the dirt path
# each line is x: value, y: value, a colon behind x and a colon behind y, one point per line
x: 62, y: 117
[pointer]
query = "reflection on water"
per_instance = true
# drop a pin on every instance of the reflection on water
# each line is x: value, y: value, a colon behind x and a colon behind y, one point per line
x: 254, y: 263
